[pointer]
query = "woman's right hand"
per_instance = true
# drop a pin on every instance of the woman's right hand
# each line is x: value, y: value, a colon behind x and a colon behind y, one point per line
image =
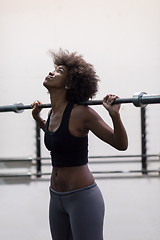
x: 36, y: 110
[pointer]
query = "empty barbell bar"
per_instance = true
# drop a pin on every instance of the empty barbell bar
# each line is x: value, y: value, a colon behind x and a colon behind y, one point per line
x: 138, y: 99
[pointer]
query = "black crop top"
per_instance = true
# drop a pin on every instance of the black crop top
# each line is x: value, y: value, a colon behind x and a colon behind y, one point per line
x: 66, y: 150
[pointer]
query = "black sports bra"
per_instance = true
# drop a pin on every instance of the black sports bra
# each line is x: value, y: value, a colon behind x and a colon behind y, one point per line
x: 66, y: 150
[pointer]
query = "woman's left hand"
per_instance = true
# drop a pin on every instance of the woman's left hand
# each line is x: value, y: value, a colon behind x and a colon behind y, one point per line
x: 108, y: 104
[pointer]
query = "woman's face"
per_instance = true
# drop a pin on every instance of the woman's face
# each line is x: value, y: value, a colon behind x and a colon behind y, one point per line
x: 57, y: 78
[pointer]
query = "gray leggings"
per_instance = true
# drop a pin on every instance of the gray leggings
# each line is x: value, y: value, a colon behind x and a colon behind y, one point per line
x: 77, y: 215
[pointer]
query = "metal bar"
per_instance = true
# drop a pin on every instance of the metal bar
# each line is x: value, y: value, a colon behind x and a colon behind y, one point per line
x: 139, y: 100
x: 29, y: 106
x: 38, y: 150
x: 90, y: 162
x: 126, y: 156
x: 143, y: 141
x: 121, y: 161
x: 125, y: 172
x: 111, y: 162
x: 15, y: 160
x: 10, y: 175
x: 150, y: 99
x: 15, y: 175
x: 99, y: 102
x: 90, y: 157
x: 19, y: 107
x: 113, y: 156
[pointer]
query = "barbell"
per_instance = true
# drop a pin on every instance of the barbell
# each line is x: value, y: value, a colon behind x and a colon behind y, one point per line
x: 138, y: 100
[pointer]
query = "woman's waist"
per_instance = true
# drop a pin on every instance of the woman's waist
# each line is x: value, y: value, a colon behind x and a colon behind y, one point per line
x: 71, y: 178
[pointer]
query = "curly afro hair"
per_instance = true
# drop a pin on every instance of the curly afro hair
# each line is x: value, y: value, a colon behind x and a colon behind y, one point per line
x: 82, y: 79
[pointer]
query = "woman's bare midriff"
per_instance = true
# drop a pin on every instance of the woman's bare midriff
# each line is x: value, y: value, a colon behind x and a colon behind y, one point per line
x: 65, y: 179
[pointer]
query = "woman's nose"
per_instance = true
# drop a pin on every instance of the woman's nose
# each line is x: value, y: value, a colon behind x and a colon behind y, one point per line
x: 51, y: 73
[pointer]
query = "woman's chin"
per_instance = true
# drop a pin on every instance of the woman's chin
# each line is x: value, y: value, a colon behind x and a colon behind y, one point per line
x: 45, y: 84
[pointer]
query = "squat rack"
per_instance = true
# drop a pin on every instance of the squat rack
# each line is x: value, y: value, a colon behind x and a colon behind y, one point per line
x: 139, y: 100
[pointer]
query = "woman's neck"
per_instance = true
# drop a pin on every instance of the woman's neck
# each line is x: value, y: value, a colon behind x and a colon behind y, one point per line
x: 58, y: 101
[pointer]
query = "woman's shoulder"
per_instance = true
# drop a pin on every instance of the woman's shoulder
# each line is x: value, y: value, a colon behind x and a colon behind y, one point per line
x: 83, y: 111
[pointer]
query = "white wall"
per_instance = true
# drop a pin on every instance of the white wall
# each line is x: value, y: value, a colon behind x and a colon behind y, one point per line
x: 122, y: 40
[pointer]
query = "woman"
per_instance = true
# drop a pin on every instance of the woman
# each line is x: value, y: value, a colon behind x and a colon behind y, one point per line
x: 76, y: 204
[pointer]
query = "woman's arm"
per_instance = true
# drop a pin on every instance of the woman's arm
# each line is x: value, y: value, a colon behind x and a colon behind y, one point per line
x: 35, y: 113
x: 116, y: 137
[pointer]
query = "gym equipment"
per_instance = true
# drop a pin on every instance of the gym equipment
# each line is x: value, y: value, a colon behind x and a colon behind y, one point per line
x: 138, y: 100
